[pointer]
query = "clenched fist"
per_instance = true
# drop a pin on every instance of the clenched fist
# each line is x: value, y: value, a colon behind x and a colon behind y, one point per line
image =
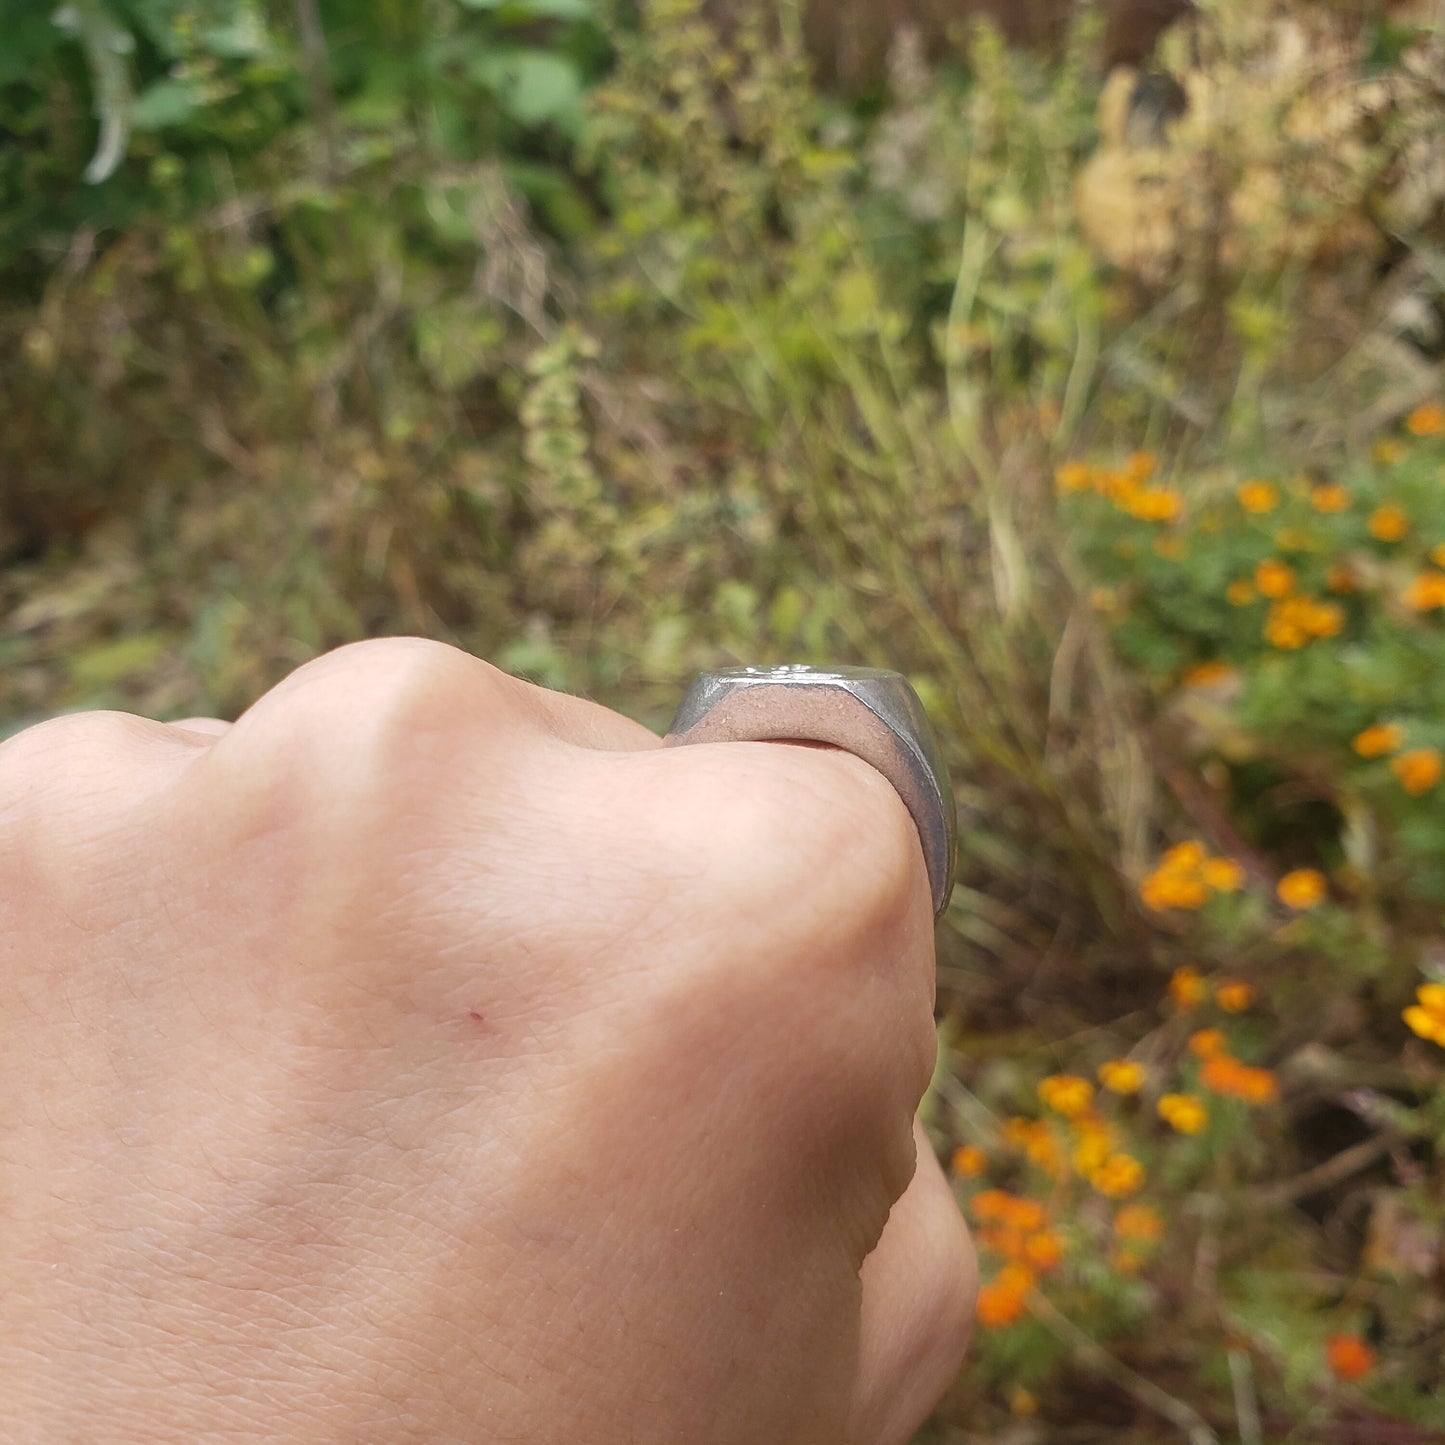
x: 430, y: 1057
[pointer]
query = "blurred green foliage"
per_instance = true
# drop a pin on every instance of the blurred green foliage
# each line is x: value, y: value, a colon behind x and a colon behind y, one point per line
x: 609, y: 352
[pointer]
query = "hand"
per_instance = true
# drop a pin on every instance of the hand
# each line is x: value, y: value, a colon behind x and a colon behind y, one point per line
x: 430, y: 1057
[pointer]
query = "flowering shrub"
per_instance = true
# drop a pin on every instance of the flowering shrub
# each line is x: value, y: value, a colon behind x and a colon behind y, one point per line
x: 1292, y: 631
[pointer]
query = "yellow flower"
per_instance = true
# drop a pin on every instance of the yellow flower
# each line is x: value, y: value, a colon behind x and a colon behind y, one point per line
x: 1418, y: 770
x: 1184, y: 1113
x: 1437, y: 554
x: 1258, y: 497
x: 1105, y: 600
x: 1186, y: 987
x: 1074, y: 477
x: 969, y: 1161
x: 1095, y: 1144
x: 1122, y: 1076
x: 1427, y: 1017
x: 1233, y: 995
x: 1023, y: 1403
x: 1387, y: 451
x: 1153, y: 504
x: 1119, y: 1176
x: 1240, y: 592
x: 1301, y: 889
x: 1426, y: 592
x: 1329, y: 497
x: 1138, y: 1222
x: 1426, y: 421
x: 1067, y: 1094
x: 1294, y: 539
x: 1388, y: 524
x: 1274, y: 578
x: 1223, y: 875
x: 1377, y: 740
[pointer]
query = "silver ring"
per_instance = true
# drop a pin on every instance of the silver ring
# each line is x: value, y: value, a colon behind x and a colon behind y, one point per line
x: 867, y: 711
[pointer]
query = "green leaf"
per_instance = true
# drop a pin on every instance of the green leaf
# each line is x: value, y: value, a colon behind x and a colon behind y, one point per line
x: 30, y: 36
x: 534, y: 87
x: 518, y: 12
x: 166, y: 103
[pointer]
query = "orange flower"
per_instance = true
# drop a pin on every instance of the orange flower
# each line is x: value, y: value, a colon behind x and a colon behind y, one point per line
x: 1227, y: 1076
x: 1437, y: 554
x: 1122, y: 1076
x: 1184, y: 877
x: 1427, y: 1017
x: 1074, y: 477
x: 998, y: 1206
x: 1126, y: 1261
x: 1140, y: 466
x: 1002, y: 1300
x: 1258, y: 497
x: 1119, y: 1176
x: 1233, y: 995
x: 1208, y: 1043
x: 1293, y: 621
x: 1186, y: 987
x: 1161, y: 891
x: 1388, y: 524
x: 1274, y: 578
x: 1426, y: 421
x: 1240, y: 592
x: 1209, y: 674
x: 1349, y: 1357
x: 1377, y: 740
x: 1066, y: 1094
x: 968, y: 1161
x: 1138, y: 1222
x: 1183, y: 1112
x: 1418, y: 770
x: 1301, y: 889
x: 1329, y: 497
x: 1034, y: 1137
x: 1044, y: 1250
x: 1426, y: 592
x: 1223, y: 875
x: 1153, y: 504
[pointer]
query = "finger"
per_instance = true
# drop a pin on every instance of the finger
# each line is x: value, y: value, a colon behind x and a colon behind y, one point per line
x: 919, y: 1287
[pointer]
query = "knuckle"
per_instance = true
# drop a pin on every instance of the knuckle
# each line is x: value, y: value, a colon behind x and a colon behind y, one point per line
x: 383, y: 715
x: 74, y: 760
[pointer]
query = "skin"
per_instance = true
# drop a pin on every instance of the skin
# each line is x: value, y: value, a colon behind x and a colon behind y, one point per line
x: 430, y: 1057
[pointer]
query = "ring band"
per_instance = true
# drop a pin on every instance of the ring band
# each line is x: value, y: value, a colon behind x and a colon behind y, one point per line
x: 869, y: 712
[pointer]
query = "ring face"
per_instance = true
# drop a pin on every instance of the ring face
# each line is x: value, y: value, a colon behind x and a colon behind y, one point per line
x: 870, y: 712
